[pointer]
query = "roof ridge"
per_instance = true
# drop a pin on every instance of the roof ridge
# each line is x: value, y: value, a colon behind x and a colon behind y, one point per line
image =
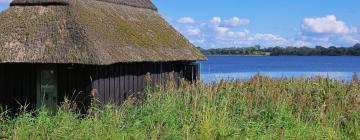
x: 146, y: 4
x: 38, y: 2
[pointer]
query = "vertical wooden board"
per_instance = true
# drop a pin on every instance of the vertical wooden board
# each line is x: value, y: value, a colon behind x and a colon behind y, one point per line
x: 178, y: 73
x: 150, y: 68
x: 187, y: 73
x: 80, y: 82
x: 71, y: 79
x: 116, y: 84
x: 84, y: 80
x: 25, y: 83
x: 76, y: 78
x: 100, y: 93
x: 197, y: 72
x: 61, y: 82
x: 94, y: 79
x: 121, y: 82
x: 106, y: 84
x: 130, y: 80
x: 6, y: 85
x: 173, y: 70
x: 86, y: 87
x: 126, y: 80
x: 158, y: 74
x: 111, y: 77
x: 68, y: 82
x: 136, y: 78
x: 193, y: 76
x: 141, y: 76
x: 163, y: 74
x: 2, y: 82
x: 10, y: 80
x: 96, y: 83
x: 168, y: 73
x: 65, y: 80
x: 17, y: 84
x: 32, y: 85
x: 15, y: 96
x: 155, y: 73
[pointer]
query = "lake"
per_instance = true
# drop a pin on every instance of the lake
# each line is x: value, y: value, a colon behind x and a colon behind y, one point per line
x: 244, y: 67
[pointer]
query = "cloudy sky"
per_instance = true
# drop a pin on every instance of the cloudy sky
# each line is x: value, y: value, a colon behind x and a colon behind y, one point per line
x: 242, y: 23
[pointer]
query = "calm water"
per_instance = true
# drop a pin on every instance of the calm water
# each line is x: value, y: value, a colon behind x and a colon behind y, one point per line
x: 244, y: 67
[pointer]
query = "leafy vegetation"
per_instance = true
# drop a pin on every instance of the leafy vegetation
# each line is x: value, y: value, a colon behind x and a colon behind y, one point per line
x: 277, y: 51
x: 261, y: 108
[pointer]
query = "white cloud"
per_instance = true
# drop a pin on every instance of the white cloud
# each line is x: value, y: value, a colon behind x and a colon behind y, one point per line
x: 224, y: 33
x: 238, y: 34
x: 5, y: 1
x: 186, y: 20
x: 327, y: 25
x: 193, y: 31
x: 328, y: 31
x: 217, y: 33
x: 235, y: 22
x: 215, y: 21
x: 267, y: 37
x: 221, y: 30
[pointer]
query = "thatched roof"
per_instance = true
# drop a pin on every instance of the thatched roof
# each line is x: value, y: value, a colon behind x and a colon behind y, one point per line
x: 89, y: 32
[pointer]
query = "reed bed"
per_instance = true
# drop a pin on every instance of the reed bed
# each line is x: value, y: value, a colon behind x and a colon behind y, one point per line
x: 261, y: 108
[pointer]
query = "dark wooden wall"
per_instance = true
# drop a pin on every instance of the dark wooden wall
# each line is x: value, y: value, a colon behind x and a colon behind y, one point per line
x: 115, y: 83
x: 17, y: 85
x: 110, y: 84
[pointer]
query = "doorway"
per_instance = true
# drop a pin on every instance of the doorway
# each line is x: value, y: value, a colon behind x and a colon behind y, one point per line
x: 47, y: 92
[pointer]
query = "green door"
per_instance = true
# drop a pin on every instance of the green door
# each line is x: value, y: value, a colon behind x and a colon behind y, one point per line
x: 47, y: 88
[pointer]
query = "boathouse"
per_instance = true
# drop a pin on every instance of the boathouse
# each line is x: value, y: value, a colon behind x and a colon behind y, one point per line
x: 82, y: 49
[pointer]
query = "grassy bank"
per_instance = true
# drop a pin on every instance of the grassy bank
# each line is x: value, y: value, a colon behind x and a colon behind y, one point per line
x: 261, y: 108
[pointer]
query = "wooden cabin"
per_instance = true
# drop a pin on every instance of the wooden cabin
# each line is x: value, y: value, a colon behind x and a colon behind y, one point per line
x: 84, y: 49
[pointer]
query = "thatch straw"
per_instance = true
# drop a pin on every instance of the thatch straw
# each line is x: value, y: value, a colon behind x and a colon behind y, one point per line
x: 90, y: 32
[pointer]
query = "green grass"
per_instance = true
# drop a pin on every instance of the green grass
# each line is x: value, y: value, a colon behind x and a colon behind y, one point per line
x: 261, y: 108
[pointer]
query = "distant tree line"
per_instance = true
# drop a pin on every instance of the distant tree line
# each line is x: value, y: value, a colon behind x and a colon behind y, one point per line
x: 279, y: 51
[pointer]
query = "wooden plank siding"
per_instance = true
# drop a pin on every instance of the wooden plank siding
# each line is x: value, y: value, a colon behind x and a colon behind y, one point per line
x: 17, y: 86
x: 109, y: 84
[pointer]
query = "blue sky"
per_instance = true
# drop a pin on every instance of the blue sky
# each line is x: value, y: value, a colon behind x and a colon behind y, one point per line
x: 241, y: 23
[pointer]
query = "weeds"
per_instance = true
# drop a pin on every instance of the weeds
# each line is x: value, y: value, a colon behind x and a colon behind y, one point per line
x: 261, y: 108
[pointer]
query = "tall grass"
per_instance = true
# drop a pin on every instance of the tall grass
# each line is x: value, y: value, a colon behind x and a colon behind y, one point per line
x: 261, y: 108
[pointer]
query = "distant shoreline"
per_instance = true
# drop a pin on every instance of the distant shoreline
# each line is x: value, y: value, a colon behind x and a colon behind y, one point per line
x: 284, y: 51
x: 292, y: 55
